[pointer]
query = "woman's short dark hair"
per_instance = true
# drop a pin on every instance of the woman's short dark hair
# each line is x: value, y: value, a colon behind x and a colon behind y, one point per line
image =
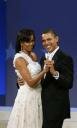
x: 24, y: 35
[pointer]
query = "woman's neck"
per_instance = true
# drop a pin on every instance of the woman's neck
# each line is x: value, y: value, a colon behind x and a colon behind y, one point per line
x: 26, y: 52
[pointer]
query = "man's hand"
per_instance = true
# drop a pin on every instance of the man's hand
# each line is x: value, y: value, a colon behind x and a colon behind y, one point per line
x: 50, y: 64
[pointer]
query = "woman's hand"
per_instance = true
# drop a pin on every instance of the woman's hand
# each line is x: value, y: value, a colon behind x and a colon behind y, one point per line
x: 50, y: 65
x: 20, y: 82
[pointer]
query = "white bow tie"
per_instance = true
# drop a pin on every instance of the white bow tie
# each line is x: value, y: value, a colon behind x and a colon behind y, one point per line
x: 48, y: 56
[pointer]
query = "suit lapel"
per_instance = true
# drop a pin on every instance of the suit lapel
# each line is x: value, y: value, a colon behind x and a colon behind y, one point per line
x: 55, y: 57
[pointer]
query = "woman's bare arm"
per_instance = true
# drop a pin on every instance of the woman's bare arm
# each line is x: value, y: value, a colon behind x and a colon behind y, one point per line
x: 21, y: 65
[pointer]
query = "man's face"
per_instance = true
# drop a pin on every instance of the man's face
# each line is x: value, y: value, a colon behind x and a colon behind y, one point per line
x: 49, y: 41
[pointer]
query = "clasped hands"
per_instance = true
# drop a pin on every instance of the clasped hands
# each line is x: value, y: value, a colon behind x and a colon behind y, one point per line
x: 50, y: 65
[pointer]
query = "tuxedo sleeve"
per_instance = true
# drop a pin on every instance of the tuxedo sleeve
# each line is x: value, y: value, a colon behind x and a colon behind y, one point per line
x: 65, y: 73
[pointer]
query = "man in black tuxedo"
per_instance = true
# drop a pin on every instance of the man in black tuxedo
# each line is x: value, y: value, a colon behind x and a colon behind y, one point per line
x: 56, y: 83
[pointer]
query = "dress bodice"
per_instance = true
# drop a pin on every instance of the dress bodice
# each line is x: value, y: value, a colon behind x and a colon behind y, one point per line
x: 33, y: 66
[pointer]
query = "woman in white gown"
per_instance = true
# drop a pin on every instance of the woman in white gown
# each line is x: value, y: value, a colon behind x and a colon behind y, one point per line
x: 27, y: 109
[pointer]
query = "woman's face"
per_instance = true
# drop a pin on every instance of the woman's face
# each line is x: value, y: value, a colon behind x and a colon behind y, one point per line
x: 28, y: 46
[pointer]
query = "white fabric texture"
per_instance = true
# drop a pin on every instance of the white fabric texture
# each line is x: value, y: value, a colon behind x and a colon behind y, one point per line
x: 27, y: 109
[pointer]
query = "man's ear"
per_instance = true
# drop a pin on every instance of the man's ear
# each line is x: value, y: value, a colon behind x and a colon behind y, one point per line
x: 57, y: 39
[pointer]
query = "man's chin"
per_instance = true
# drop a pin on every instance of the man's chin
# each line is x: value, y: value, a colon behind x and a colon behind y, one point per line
x: 49, y: 50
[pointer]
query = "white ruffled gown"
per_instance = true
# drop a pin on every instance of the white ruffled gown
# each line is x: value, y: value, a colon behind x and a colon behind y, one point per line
x: 27, y: 109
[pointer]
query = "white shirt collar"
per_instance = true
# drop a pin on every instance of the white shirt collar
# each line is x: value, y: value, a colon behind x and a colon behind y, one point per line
x: 50, y: 55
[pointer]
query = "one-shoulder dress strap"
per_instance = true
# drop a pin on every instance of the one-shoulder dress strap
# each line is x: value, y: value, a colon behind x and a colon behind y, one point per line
x: 23, y: 55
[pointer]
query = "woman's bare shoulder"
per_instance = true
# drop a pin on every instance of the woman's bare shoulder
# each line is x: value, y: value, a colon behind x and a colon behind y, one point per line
x: 34, y: 56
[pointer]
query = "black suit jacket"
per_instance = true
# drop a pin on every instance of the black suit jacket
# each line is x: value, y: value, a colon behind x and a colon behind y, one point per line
x: 55, y: 93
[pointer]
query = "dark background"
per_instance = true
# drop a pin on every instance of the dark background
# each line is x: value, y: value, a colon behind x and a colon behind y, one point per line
x: 38, y: 15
